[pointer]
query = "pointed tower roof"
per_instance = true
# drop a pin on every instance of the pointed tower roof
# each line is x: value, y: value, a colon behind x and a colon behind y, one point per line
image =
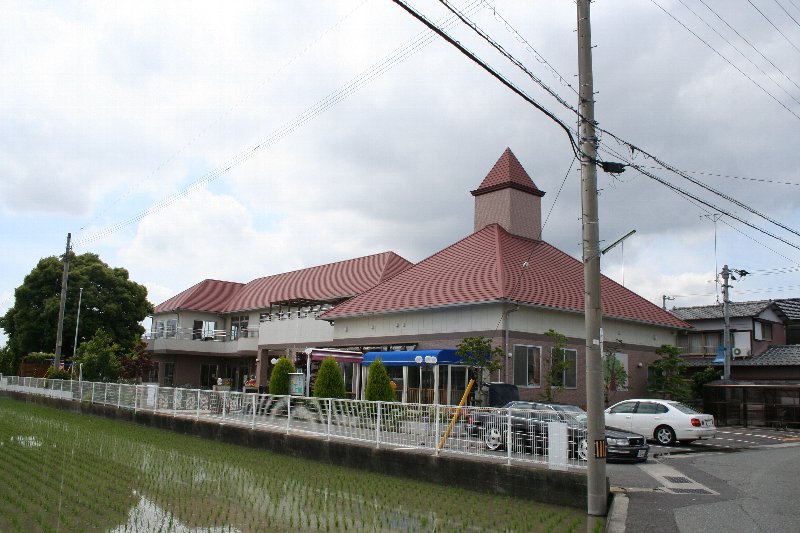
x: 507, y: 172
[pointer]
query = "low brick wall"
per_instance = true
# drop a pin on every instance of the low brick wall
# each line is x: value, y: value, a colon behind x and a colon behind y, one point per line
x: 521, y: 481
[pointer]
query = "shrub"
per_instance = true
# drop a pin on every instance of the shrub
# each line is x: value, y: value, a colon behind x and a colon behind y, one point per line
x: 329, y: 382
x: 279, y: 379
x: 35, y: 357
x: 379, y: 385
x: 57, y: 373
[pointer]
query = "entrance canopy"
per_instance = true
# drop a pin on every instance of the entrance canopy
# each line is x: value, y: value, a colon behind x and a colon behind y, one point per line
x: 341, y: 356
x: 414, y: 358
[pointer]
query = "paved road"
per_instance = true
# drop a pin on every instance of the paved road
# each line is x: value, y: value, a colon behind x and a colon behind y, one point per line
x: 743, y: 480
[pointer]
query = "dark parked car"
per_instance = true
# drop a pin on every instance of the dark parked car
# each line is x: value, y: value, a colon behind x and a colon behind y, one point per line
x: 529, y: 426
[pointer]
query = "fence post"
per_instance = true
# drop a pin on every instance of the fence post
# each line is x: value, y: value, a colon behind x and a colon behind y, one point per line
x: 135, y: 398
x: 330, y: 411
x: 175, y: 402
x: 436, y: 429
x: 288, y: 413
x: 91, y: 399
x: 378, y: 427
x: 253, y: 423
x: 105, y: 394
x: 509, y: 438
x: 197, y: 413
x: 224, y: 404
x: 119, y: 395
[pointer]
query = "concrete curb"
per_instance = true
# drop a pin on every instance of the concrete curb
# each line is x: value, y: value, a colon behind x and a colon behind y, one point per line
x: 618, y: 511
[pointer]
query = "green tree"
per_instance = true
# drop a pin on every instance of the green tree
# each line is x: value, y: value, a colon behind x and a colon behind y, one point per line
x: 482, y: 359
x: 557, y: 364
x: 279, y: 379
x: 379, y: 384
x: 101, y: 358
x: 699, y: 380
x: 9, y: 363
x: 614, y: 375
x: 665, y: 376
x: 329, y: 382
x: 110, y: 301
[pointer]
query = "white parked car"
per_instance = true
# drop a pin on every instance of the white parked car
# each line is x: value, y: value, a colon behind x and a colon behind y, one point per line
x: 666, y: 421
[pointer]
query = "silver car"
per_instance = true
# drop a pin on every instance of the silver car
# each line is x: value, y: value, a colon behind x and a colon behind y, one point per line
x: 665, y: 421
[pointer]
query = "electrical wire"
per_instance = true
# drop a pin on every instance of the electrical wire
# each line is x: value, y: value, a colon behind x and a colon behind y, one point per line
x: 742, y: 37
x: 765, y: 91
x: 398, y: 55
x: 773, y: 25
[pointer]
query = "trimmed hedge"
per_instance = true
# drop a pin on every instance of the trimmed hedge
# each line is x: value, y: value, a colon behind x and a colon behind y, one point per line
x: 329, y: 382
x: 279, y: 379
x: 379, y: 385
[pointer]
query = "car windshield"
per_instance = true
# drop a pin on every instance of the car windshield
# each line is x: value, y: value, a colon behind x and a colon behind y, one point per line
x: 684, y: 408
x: 573, y: 413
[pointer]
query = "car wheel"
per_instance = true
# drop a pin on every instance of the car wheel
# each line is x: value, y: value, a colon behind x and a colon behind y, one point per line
x: 493, y: 438
x: 583, y: 450
x: 665, y: 435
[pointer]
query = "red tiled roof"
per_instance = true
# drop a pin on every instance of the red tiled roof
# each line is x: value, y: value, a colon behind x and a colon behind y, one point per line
x: 507, y: 172
x: 327, y: 282
x: 209, y: 295
x: 487, y: 266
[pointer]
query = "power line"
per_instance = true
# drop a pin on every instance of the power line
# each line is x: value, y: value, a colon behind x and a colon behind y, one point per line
x: 519, y: 65
x: 765, y: 91
x: 759, y: 52
x: 788, y: 14
x: 773, y: 25
x: 759, y: 180
x: 377, y: 69
x: 740, y: 52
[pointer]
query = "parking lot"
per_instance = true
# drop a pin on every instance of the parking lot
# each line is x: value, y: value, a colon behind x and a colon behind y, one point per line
x: 730, y: 439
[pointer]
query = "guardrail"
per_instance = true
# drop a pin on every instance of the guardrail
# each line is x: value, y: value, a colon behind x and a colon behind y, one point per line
x: 493, y: 433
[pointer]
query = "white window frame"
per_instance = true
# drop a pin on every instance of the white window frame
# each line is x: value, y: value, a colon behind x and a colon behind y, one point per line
x: 530, y: 350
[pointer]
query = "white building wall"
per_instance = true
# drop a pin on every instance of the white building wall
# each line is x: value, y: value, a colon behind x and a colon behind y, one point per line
x: 487, y: 317
x: 295, y: 331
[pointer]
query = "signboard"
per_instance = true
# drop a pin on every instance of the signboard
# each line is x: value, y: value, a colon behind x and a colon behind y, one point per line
x: 296, y: 384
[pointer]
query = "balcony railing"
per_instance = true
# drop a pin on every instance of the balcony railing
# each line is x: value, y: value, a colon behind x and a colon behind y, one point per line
x: 190, y: 334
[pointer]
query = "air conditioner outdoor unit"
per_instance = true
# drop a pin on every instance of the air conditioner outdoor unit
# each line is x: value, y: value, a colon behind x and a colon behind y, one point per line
x: 738, y: 352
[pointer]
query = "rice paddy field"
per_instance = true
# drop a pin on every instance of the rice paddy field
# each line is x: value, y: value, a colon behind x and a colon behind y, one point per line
x: 62, y: 471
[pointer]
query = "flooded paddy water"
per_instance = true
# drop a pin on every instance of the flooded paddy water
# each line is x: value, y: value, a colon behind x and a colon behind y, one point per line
x: 61, y: 471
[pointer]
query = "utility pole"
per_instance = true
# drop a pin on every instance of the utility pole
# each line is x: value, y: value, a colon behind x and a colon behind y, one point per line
x: 726, y: 334
x: 77, y: 323
x: 597, y: 495
x: 64, y: 276
x: 664, y: 299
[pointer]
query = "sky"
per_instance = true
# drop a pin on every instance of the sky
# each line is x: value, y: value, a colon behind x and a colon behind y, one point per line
x: 193, y: 140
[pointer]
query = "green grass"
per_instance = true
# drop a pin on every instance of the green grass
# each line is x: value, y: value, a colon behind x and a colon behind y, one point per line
x: 61, y: 471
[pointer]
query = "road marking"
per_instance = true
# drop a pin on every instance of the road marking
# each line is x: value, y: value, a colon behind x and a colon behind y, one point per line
x: 674, y: 481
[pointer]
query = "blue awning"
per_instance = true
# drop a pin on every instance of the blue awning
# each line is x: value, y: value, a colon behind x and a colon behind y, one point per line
x: 409, y: 358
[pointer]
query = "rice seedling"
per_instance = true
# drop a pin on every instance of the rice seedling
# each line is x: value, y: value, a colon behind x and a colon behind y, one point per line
x: 114, y: 476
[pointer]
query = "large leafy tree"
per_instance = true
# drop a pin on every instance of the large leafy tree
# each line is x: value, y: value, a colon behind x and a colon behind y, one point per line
x: 110, y: 301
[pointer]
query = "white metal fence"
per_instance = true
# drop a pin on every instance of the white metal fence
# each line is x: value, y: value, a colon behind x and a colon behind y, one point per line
x: 512, y: 436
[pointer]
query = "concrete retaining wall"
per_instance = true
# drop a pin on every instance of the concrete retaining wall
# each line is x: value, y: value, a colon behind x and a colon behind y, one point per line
x: 521, y: 481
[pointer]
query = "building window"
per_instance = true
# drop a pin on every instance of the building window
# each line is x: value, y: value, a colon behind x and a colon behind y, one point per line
x: 204, y: 330
x: 159, y: 330
x: 172, y: 328
x: 763, y: 331
x: 239, y: 326
x: 169, y: 374
x: 569, y: 376
x: 527, y: 366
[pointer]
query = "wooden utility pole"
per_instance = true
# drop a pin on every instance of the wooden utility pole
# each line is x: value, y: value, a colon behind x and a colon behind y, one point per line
x: 64, y: 276
x: 726, y: 332
x: 597, y: 494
